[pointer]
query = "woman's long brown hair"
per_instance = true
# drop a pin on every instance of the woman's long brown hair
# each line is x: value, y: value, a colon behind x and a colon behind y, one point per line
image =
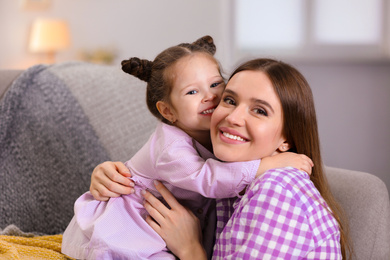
x: 300, y: 128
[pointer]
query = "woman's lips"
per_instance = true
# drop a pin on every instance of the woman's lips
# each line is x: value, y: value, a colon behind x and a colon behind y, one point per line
x: 230, y: 136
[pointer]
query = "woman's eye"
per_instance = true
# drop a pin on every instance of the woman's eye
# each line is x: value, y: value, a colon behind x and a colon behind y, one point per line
x: 192, y: 92
x: 260, y: 111
x: 228, y: 101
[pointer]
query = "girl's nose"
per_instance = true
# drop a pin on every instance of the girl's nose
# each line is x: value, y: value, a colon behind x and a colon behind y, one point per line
x: 209, y: 96
x: 236, y: 116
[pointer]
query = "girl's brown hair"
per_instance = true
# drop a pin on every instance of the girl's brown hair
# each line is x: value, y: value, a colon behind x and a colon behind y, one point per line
x: 300, y: 128
x: 158, y: 73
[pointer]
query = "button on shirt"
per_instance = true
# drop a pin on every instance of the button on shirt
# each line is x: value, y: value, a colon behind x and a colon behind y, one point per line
x: 281, y: 216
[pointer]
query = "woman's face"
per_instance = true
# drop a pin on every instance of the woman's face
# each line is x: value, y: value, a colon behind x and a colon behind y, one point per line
x: 247, y: 123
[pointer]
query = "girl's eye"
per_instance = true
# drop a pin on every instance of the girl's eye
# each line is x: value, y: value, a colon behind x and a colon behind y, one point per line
x: 229, y: 101
x: 215, y: 84
x: 192, y: 92
x: 260, y: 111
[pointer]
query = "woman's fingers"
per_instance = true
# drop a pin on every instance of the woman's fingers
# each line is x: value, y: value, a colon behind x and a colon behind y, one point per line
x: 156, y: 227
x: 167, y: 195
x: 155, y: 207
x: 151, y: 208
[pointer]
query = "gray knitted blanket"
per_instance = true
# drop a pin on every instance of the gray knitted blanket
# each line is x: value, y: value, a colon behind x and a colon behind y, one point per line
x: 48, y: 150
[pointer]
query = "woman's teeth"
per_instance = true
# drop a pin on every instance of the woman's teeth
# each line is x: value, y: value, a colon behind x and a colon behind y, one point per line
x: 234, y: 137
x: 208, y: 111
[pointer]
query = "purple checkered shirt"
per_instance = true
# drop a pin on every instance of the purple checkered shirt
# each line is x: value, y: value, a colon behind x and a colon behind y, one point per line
x: 281, y: 216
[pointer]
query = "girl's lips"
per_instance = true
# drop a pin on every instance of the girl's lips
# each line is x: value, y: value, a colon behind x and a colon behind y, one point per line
x: 230, y: 136
x: 208, y: 111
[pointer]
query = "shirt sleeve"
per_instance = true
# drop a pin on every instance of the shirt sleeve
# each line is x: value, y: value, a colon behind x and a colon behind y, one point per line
x: 182, y: 166
x: 329, y: 249
x: 269, y: 223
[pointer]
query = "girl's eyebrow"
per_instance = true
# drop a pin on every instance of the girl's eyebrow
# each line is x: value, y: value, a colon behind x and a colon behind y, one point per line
x: 254, y: 100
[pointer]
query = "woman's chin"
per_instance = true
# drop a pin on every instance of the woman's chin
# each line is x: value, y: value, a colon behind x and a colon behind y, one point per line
x: 223, y: 155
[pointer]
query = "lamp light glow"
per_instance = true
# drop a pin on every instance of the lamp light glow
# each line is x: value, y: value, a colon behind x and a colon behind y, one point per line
x: 49, y: 36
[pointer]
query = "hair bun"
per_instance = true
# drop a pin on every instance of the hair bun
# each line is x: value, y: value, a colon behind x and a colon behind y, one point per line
x: 141, y: 69
x: 206, y: 42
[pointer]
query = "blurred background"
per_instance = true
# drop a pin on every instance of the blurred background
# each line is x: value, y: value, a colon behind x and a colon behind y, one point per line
x: 341, y: 46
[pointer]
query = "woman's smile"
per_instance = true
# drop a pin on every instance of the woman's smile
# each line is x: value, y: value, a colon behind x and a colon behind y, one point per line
x: 231, y: 136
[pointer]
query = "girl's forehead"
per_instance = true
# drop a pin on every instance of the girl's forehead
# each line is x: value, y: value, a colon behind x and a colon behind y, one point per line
x: 202, y: 56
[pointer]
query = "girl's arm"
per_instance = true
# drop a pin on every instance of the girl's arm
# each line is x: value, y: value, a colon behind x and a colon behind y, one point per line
x: 178, y: 226
x: 110, y: 180
x: 181, y: 165
x: 286, y: 159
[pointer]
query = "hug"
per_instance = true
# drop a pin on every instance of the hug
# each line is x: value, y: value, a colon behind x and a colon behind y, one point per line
x: 233, y: 168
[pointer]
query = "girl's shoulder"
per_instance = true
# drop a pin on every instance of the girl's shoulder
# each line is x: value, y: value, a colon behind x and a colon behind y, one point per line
x: 169, y: 134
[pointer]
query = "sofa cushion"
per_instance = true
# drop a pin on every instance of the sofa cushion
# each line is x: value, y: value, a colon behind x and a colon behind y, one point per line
x: 114, y: 102
x: 48, y: 151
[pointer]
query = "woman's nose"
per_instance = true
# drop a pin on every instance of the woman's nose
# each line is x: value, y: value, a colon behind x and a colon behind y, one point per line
x: 236, y: 116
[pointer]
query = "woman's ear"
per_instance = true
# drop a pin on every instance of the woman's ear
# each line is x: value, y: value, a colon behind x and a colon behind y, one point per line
x: 166, y: 111
x: 284, y: 147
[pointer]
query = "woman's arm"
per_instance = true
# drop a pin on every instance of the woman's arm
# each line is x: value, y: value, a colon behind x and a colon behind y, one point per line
x: 110, y: 180
x: 178, y: 226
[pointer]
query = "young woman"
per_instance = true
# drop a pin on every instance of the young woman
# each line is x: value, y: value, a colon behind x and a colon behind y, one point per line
x: 184, y: 87
x: 284, y: 214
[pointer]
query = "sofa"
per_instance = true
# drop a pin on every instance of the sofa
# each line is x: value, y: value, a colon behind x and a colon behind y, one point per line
x: 57, y: 122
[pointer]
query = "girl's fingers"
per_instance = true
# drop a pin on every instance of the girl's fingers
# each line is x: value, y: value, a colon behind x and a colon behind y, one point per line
x: 117, y: 172
x: 309, y: 161
x: 122, y: 169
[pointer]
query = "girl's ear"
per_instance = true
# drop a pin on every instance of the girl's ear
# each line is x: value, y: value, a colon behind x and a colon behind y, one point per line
x: 284, y: 147
x: 166, y: 111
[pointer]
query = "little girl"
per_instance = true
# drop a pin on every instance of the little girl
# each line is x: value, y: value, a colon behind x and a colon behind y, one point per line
x: 184, y: 87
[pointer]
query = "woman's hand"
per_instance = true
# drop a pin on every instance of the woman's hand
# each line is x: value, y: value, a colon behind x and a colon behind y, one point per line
x: 178, y: 226
x: 110, y: 180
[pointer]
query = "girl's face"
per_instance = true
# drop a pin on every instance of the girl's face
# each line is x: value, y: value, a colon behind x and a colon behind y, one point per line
x: 248, y: 122
x: 196, y: 92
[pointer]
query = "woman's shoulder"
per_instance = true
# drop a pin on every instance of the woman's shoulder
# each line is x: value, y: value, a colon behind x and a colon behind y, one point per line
x: 287, y: 182
x: 287, y: 177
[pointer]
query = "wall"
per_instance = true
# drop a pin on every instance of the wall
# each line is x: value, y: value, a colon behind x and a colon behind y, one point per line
x: 352, y: 99
x: 133, y: 28
x: 353, y: 108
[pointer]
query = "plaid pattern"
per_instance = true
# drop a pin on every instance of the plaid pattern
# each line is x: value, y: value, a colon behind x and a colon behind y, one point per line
x: 281, y: 216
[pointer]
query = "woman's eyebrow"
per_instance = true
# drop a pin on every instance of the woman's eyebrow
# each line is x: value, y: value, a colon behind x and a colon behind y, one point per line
x: 263, y: 102
x: 253, y: 100
x: 229, y: 91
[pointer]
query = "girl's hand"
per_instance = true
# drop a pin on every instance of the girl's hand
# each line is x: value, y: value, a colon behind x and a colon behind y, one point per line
x: 178, y: 226
x: 286, y: 159
x: 110, y: 180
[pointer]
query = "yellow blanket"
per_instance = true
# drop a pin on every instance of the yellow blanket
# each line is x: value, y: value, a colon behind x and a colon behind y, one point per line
x: 31, y: 248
